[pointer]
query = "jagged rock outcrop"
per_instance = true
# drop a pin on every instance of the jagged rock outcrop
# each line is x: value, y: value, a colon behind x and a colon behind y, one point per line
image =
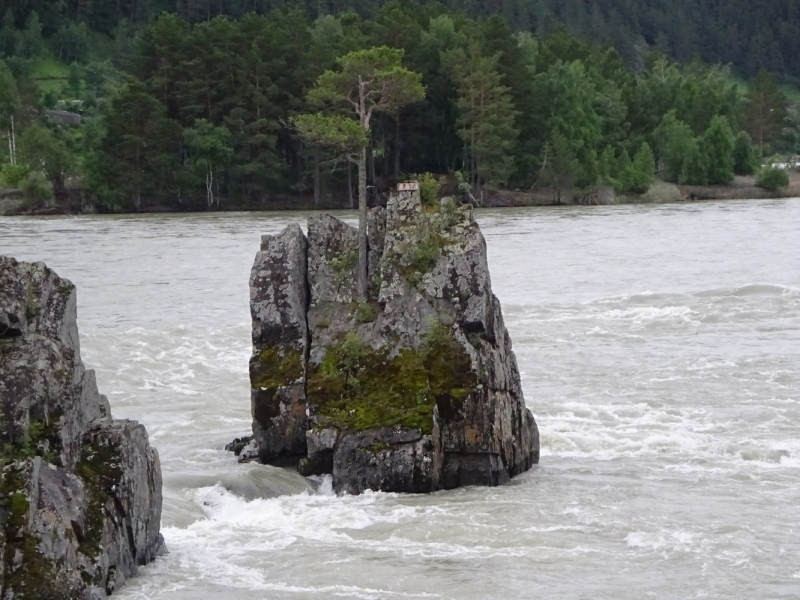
x: 414, y: 390
x: 80, y: 495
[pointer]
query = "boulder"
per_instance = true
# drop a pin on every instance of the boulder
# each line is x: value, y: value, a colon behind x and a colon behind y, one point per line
x: 415, y: 388
x: 81, y: 493
x: 278, y: 304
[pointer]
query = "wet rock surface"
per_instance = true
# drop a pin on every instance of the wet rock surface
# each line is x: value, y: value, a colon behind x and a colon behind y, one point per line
x: 414, y: 389
x: 80, y: 496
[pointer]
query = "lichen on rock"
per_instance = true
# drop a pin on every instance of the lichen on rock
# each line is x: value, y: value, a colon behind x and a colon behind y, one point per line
x: 415, y: 389
x: 80, y: 495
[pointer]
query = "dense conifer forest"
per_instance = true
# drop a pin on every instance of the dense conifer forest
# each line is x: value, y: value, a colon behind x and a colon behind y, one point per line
x: 186, y: 104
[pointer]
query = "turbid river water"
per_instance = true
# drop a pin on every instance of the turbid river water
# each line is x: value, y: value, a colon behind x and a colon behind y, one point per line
x: 660, y: 352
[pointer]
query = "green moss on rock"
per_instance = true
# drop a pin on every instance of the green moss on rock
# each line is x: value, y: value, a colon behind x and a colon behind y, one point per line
x: 357, y: 387
x: 276, y: 366
x: 34, y: 576
x: 100, y: 468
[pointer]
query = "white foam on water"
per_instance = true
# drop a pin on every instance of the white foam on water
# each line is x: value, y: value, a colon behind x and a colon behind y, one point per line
x: 662, y: 368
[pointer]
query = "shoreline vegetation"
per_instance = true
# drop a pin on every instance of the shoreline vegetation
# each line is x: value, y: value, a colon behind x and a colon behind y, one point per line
x: 12, y: 202
x: 320, y: 105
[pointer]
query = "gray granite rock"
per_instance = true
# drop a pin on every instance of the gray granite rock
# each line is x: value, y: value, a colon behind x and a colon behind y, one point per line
x: 278, y: 304
x: 416, y: 389
x: 81, y: 492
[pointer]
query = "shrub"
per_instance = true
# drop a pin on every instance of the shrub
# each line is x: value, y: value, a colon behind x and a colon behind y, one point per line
x: 366, y: 313
x: 36, y: 190
x: 425, y: 256
x: 718, y: 144
x: 428, y: 189
x: 772, y: 179
x: 661, y: 192
x: 14, y: 175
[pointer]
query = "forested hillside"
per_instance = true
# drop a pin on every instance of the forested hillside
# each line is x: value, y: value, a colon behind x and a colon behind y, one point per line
x: 199, y: 105
x: 749, y: 34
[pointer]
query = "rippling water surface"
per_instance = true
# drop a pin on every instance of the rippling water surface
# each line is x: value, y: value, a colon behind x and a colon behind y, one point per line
x: 659, y: 350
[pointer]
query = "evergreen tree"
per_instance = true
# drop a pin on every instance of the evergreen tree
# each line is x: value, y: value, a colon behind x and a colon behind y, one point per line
x: 766, y: 110
x: 695, y: 165
x: 675, y: 144
x: 560, y: 167
x: 638, y: 175
x: 486, y: 116
x: 367, y: 82
x: 30, y: 43
x: 717, y: 145
x: 745, y: 161
x: 137, y: 155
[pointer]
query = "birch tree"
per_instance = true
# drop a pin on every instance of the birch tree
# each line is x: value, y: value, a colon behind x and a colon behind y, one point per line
x: 210, y: 153
x: 9, y: 105
x: 366, y: 82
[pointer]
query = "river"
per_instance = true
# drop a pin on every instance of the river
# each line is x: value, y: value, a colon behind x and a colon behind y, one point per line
x: 660, y: 353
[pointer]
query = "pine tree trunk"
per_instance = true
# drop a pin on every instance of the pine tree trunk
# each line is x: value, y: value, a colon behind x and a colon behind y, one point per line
x: 350, y: 184
x: 13, y: 143
x: 362, y: 226
x: 371, y: 166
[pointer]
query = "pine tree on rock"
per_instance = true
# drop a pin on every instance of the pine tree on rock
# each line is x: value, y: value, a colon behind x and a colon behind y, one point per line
x: 367, y: 82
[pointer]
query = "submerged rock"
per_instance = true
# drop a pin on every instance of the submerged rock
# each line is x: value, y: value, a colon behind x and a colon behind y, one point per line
x: 414, y: 390
x: 80, y: 506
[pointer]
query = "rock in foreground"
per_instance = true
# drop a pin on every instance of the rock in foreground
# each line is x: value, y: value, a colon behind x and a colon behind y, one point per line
x: 416, y: 389
x: 80, y: 496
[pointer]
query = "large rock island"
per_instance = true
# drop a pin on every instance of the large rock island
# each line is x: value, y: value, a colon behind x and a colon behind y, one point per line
x: 80, y: 495
x: 414, y: 390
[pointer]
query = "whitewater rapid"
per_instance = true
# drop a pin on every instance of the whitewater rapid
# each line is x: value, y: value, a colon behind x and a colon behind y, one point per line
x: 659, y: 348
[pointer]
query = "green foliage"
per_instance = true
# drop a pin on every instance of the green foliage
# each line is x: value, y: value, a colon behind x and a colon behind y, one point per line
x: 36, y: 190
x: 717, y: 145
x: 9, y: 95
x: 135, y: 156
x: 560, y: 166
x: 72, y: 41
x: 344, y: 266
x: 745, y: 161
x: 276, y: 367
x: 13, y: 175
x: 209, y: 153
x: 42, y: 149
x: 637, y: 176
x: 695, y: 166
x: 366, y: 313
x: 429, y: 187
x: 357, y: 387
x: 426, y: 253
x: 337, y: 131
x: 486, y: 115
x: 217, y: 104
x: 772, y: 179
x: 766, y: 109
x: 675, y: 143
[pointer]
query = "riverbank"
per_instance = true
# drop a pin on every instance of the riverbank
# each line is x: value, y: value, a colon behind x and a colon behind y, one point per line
x: 742, y: 188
